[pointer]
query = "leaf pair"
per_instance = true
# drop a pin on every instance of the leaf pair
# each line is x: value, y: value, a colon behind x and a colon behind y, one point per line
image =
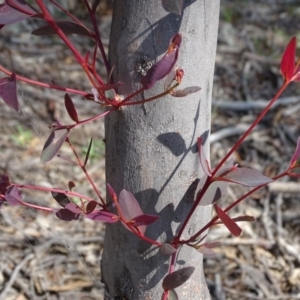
x: 129, y: 211
x: 71, y: 211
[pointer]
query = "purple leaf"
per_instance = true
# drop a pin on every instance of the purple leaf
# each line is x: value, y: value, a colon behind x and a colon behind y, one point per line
x: 53, y: 144
x: 287, y: 64
x: 173, y: 6
x: 177, y: 278
x: 15, y: 11
x: 71, y: 108
x: 143, y: 220
x: 164, y: 66
x: 90, y: 207
x: 13, y: 196
x: 73, y: 208
x: 296, y: 154
x: 130, y: 208
x: 202, y: 157
x: 68, y: 27
x: 4, y: 184
x: 102, y: 216
x: 67, y: 215
x: 186, y: 91
x: 61, y: 198
x: 215, y: 191
x: 228, y: 222
x: 8, y: 91
x: 167, y: 249
x: 246, y: 176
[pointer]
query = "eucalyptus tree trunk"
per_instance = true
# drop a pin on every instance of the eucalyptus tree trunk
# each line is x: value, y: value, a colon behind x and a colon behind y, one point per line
x: 151, y: 148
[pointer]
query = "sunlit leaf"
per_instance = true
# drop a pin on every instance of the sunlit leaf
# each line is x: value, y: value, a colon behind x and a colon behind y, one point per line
x: 68, y: 27
x: 173, y: 6
x: 228, y: 222
x: 186, y: 91
x: 112, y: 193
x: 102, y: 216
x: 13, y: 196
x: 215, y: 191
x: 130, y: 208
x: 247, y: 177
x: 202, y: 157
x: 8, y: 91
x: 167, y: 249
x: 164, y: 66
x: 206, y: 251
x: 53, y: 144
x: 73, y: 208
x: 287, y: 64
x: 177, y: 278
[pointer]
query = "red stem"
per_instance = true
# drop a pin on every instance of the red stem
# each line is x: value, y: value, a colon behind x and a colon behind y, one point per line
x: 83, y: 168
x: 245, y: 135
x: 42, y: 84
x: 236, y: 202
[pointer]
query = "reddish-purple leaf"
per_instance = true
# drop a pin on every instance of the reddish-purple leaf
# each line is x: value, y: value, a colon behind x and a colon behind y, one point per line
x: 102, y: 216
x: 90, y: 207
x: 8, y: 91
x: 71, y: 185
x: 130, y: 208
x: 143, y: 220
x: 215, y: 191
x: 73, y: 208
x: 246, y: 176
x: 173, y: 6
x: 287, y: 64
x: 177, y: 278
x: 13, y: 196
x: 53, y: 144
x: 67, y: 215
x: 71, y: 108
x: 61, y: 198
x: 228, y: 222
x: 186, y: 91
x: 212, y: 244
x: 112, y: 193
x: 4, y: 184
x: 68, y: 27
x: 167, y: 249
x: 206, y: 251
x: 15, y: 11
x: 202, y: 157
x: 296, y: 154
x: 164, y: 66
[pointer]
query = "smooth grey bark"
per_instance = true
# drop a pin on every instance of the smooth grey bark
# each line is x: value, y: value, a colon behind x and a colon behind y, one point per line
x: 151, y: 149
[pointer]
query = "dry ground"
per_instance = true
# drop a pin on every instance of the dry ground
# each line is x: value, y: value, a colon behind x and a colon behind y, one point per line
x: 45, y: 258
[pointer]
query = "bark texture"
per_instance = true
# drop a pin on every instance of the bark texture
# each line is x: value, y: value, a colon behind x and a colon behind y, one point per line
x: 151, y: 149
